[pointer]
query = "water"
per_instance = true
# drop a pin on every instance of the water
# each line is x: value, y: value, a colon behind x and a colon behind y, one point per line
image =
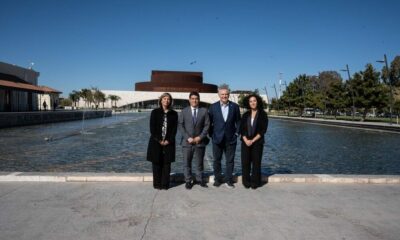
x: 119, y: 143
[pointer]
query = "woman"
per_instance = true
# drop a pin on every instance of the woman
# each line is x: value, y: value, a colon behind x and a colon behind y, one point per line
x: 161, y: 148
x: 254, y: 124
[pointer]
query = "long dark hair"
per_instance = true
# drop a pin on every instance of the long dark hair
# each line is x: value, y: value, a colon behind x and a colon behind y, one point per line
x: 260, y: 102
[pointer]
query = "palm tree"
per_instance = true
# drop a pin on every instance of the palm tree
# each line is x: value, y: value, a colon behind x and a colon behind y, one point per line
x: 115, y: 99
x: 98, y: 96
x: 87, y: 96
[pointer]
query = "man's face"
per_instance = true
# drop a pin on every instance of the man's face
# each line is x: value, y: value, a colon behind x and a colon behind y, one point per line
x: 223, y: 95
x: 194, y: 101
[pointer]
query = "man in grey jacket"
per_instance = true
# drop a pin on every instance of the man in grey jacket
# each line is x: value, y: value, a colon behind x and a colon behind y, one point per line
x: 193, y: 124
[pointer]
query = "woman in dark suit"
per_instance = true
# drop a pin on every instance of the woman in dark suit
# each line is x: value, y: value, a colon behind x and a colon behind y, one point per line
x: 253, y: 126
x: 161, y: 148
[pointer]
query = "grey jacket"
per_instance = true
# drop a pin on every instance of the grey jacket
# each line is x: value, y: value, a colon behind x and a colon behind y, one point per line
x: 200, y: 128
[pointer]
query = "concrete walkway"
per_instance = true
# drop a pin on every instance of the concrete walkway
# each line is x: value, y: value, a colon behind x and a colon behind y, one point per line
x: 133, y: 210
x: 178, y: 177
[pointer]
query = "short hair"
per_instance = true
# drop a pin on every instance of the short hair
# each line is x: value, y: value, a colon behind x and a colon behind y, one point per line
x: 165, y: 95
x: 194, y: 93
x: 224, y: 86
x: 260, y: 103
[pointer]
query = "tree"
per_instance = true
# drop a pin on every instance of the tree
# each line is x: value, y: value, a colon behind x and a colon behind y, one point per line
x: 299, y: 93
x: 87, y: 96
x: 396, y: 107
x: 369, y: 92
x: 98, y: 97
x: 336, y: 97
x: 65, y: 102
x: 115, y: 99
x: 74, y: 96
x: 394, y: 73
x: 327, y: 79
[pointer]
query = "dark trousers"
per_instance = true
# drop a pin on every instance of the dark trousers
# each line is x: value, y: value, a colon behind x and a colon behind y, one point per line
x: 190, y: 153
x: 251, y: 163
x: 229, y: 150
x: 161, y: 174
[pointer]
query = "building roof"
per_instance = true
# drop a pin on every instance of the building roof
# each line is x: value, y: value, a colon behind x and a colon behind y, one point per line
x: 26, y: 87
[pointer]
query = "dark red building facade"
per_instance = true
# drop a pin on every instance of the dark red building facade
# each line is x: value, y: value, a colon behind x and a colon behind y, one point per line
x: 176, y: 81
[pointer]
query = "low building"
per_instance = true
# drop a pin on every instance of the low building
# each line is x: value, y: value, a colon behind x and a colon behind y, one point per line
x: 19, y: 90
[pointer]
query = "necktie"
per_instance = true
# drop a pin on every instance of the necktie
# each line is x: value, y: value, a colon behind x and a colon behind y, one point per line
x: 194, y: 116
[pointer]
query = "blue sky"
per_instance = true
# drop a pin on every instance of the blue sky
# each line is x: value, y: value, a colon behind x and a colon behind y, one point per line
x: 113, y: 44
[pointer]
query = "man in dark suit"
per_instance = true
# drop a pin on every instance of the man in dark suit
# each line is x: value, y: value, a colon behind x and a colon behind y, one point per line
x: 193, y: 123
x: 225, y: 120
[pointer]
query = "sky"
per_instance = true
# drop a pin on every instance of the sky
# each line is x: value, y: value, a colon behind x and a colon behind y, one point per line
x: 77, y: 44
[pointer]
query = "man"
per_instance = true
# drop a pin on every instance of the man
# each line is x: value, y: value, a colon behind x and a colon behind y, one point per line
x: 193, y: 123
x: 225, y: 120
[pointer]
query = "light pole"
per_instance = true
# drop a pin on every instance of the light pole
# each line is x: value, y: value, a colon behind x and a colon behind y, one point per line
x: 288, y: 92
x: 352, y: 90
x: 387, y: 78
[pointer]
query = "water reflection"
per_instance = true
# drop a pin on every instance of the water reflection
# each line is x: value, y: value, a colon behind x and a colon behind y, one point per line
x: 118, y: 144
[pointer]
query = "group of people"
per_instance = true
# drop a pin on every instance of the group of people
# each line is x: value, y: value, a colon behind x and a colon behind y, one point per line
x: 223, y: 123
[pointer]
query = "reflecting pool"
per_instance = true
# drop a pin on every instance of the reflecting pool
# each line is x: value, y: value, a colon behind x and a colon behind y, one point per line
x: 118, y: 144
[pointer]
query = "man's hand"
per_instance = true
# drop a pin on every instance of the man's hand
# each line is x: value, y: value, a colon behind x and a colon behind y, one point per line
x: 197, y: 140
x: 190, y: 140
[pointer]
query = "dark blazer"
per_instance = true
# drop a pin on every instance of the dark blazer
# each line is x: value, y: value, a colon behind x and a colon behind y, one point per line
x: 200, y: 128
x: 260, y: 123
x: 219, y: 128
x: 154, y: 149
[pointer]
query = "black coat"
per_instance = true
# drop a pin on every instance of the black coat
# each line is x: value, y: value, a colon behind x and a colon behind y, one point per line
x: 261, y: 125
x: 154, y: 149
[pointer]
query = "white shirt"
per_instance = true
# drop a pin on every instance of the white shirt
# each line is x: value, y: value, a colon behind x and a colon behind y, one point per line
x: 225, y: 110
x: 197, y: 111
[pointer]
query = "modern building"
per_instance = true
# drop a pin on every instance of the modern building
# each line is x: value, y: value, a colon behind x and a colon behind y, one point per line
x: 19, y: 90
x: 177, y: 83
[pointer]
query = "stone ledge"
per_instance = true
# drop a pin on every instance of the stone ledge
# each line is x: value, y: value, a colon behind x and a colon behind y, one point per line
x: 178, y: 177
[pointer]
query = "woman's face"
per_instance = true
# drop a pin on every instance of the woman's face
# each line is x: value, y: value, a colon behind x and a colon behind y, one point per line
x: 253, y: 103
x: 165, y: 102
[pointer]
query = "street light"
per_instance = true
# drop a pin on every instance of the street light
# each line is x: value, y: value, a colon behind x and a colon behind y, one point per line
x: 352, y: 90
x: 288, y: 97
x: 387, y: 78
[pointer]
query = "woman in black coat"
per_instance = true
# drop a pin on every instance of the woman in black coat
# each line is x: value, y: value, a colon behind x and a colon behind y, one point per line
x: 253, y: 126
x: 161, y: 148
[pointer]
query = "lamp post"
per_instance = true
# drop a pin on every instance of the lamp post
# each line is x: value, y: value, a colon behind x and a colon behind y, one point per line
x: 352, y: 90
x: 387, y: 78
x: 288, y: 92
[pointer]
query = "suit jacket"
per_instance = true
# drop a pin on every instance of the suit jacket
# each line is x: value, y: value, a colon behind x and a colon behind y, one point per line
x: 200, y: 128
x: 260, y: 124
x: 154, y: 149
x: 220, y: 128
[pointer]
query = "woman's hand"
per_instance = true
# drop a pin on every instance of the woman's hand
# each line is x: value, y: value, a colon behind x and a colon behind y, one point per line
x: 164, y: 142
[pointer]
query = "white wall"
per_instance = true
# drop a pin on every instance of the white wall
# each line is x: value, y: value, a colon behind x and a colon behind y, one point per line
x: 129, y: 97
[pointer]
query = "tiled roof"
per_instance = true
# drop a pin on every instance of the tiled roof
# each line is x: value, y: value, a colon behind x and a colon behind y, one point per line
x: 27, y: 87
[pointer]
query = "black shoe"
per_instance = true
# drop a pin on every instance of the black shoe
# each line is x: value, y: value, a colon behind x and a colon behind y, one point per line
x: 188, y: 185
x: 229, y: 185
x: 246, y: 186
x: 254, y: 187
x: 203, y: 184
x: 217, y: 184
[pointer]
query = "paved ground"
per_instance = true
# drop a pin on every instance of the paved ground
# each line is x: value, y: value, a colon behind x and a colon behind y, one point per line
x: 136, y: 211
